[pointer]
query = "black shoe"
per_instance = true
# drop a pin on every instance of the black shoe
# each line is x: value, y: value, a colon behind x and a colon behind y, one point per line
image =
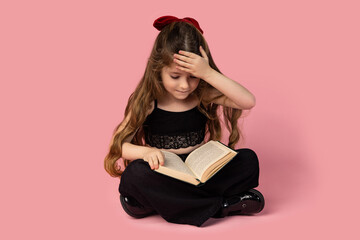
x: 246, y: 203
x: 135, y: 209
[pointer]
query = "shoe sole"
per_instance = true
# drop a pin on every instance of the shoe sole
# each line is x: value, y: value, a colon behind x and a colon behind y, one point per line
x: 123, y: 204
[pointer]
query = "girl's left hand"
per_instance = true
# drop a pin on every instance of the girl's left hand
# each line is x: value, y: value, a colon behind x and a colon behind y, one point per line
x: 192, y: 63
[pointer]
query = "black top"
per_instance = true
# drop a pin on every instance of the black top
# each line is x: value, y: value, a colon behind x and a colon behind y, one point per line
x: 174, y: 130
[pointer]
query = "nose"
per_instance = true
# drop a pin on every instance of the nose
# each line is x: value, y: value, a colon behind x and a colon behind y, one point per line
x: 184, y: 84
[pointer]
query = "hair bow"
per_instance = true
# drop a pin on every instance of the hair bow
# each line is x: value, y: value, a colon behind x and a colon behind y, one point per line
x: 161, y: 22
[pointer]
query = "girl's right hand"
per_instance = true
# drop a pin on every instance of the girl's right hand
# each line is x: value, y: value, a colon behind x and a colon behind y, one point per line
x: 154, y: 157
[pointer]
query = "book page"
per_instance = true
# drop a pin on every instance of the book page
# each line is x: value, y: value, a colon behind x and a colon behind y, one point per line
x: 203, y: 157
x: 211, y: 171
x: 174, y: 162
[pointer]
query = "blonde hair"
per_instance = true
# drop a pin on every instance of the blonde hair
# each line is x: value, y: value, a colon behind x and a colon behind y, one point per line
x: 172, y: 38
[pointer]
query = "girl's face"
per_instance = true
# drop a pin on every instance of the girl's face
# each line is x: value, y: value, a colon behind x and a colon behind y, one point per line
x: 178, y: 84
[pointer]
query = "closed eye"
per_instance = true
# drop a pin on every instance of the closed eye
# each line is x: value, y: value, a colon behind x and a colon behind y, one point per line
x: 176, y: 77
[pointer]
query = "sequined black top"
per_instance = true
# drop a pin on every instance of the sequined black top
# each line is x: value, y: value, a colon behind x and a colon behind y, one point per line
x: 174, y: 130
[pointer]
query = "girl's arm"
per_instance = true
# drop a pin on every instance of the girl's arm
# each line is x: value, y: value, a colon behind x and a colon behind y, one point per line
x: 151, y: 155
x: 236, y: 96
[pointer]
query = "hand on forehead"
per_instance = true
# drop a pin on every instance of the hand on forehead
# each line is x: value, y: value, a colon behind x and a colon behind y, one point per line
x: 172, y: 68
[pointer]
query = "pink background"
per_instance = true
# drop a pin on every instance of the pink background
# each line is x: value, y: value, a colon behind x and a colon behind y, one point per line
x: 67, y: 69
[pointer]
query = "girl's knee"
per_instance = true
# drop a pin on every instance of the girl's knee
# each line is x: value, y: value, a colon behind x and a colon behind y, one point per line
x: 134, y: 176
x: 137, y: 168
x: 136, y: 171
x: 249, y: 158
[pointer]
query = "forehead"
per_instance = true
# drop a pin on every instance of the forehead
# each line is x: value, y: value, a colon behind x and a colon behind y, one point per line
x: 172, y: 68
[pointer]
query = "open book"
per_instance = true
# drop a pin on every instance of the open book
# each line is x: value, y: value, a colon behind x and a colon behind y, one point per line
x: 200, y: 165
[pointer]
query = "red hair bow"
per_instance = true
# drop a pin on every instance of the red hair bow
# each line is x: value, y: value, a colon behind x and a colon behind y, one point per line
x: 161, y: 22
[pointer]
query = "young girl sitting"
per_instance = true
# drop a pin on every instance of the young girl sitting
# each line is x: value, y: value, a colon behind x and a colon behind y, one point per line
x: 175, y: 108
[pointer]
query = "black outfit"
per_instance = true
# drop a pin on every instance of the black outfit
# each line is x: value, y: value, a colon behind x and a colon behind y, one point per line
x: 174, y: 200
x: 174, y: 130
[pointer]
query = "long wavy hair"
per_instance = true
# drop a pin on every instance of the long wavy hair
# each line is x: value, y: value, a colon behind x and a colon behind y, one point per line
x: 172, y: 38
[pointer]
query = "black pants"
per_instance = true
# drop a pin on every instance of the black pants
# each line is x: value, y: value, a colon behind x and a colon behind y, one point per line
x: 180, y: 202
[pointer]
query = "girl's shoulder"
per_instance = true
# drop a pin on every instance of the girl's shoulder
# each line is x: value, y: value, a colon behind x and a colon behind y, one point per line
x: 152, y: 107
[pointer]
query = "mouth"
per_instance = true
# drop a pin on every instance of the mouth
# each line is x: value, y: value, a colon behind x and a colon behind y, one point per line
x: 183, y: 92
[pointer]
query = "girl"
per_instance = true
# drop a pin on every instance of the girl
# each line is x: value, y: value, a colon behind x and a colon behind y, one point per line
x: 175, y: 108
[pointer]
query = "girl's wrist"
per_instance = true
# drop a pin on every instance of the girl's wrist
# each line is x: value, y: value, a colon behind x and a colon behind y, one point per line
x: 145, y: 149
x: 209, y: 74
x: 133, y: 151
